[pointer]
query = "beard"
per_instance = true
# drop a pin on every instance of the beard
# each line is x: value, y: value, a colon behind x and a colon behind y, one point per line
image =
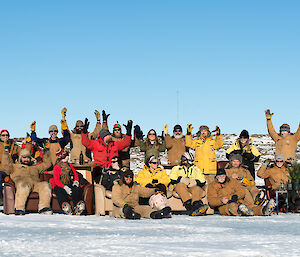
x: 178, y: 136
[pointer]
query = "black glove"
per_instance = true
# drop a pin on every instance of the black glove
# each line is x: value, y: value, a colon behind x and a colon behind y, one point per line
x: 149, y: 185
x: 128, y: 127
x: 162, y: 135
x: 248, y: 156
x: 218, y: 131
x: 234, y: 198
x: 161, y: 188
x: 85, y: 126
x: 105, y: 116
x: 137, y: 132
x: 154, y: 181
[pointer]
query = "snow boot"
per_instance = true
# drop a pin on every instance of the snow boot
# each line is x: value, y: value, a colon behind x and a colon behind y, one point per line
x: 67, y: 209
x: 188, y: 205
x: 130, y: 214
x: 19, y: 212
x: 46, y: 211
x: 80, y: 207
x: 199, y: 209
x: 163, y: 213
x: 260, y: 199
x: 268, y: 209
x: 244, y: 210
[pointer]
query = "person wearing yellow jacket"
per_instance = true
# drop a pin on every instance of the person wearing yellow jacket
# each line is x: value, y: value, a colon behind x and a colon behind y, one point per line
x: 189, y: 182
x: 244, y: 146
x: 152, y: 176
x: 205, y: 146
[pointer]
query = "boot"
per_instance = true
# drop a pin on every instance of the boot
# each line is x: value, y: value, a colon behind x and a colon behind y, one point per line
x: 244, y: 210
x: 19, y: 212
x: 46, y: 211
x: 260, y: 199
x: 130, y: 214
x: 80, y: 207
x: 188, y: 205
x: 268, y: 209
x: 1, y: 198
x: 199, y: 209
x: 163, y: 213
x: 67, y: 209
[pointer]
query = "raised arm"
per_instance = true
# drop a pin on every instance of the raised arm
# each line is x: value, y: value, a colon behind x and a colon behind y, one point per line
x: 45, y: 164
x: 270, y: 127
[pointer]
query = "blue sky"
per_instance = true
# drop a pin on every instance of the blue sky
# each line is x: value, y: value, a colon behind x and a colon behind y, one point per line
x: 229, y: 61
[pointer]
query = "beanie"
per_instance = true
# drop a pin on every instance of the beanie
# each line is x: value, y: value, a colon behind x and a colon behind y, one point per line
x: 117, y: 125
x: 285, y: 127
x: 177, y: 127
x: 235, y: 156
x: 244, y: 134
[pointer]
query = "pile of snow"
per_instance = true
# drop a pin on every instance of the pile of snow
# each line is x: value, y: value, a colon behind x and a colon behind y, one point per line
x: 60, y: 235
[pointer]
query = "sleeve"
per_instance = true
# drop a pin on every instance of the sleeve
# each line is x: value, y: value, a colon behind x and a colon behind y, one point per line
x: 105, y: 180
x: 263, y: 172
x: 199, y: 175
x: 143, y: 179
x: 230, y: 150
x: 169, y: 141
x: 189, y: 142
x: 88, y: 143
x: 218, y: 142
x: 142, y: 145
x: 65, y: 139
x: 6, y: 163
x: 272, y: 131
x: 163, y: 178
x: 104, y: 125
x: 95, y: 133
x: 117, y: 196
x: 174, y: 173
x: 213, y: 199
x: 40, y: 141
x: 297, y: 133
x: 145, y: 192
x: 162, y: 146
x: 239, y: 190
x: 123, y: 143
x: 56, y: 176
x: 45, y: 164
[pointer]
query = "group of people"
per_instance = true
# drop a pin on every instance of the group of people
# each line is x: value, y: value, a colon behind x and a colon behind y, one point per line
x: 202, y: 185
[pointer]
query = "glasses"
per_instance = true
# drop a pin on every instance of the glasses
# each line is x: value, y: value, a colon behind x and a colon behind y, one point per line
x: 128, y: 176
x: 4, y: 135
x: 114, y: 161
x: 154, y: 162
x: 117, y: 129
x: 177, y: 130
x: 151, y: 134
x: 279, y: 161
x: 80, y: 126
x: 54, y: 131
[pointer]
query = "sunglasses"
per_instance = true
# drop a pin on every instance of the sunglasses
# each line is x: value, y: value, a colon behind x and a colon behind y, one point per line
x: 54, y: 131
x: 279, y: 161
x: 177, y: 130
x: 80, y: 126
x: 4, y: 135
x: 151, y: 134
x: 154, y: 162
x: 114, y: 161
x: 128, y: 176
x: 117, y: 129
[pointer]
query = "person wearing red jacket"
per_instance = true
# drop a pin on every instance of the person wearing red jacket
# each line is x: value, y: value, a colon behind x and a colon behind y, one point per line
x: 65, y: 183
x: 104, y: 149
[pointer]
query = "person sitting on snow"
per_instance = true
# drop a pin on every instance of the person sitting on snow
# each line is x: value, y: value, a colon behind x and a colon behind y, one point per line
x: 189, y: 182
x: 125, y: 197
x: 285, y: 141
x: 227, y: 195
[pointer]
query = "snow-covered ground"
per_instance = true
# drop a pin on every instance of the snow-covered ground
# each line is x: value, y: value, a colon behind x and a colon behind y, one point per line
x: 60, y: 235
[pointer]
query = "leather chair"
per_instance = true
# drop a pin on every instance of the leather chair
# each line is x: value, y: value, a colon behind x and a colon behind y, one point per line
x: 33, y: 199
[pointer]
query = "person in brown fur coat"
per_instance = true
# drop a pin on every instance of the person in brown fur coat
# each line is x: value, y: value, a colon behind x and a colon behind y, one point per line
x: 25, y: 174
x: 285, y: 141
x: 125, y: 197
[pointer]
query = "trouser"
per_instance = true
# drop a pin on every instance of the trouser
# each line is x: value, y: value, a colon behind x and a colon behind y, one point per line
x: 251, y: 193
x: 185, y: 192
x: 23, y: 189
x: 230, y: 209
x: 143, y: 210
x: 209, y: 178
x: 99, y: 199
x: 62, y: 195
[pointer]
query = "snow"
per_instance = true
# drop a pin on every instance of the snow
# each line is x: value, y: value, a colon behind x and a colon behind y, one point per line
x: 60, y: 235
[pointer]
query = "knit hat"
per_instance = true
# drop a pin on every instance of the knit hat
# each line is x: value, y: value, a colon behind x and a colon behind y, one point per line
x: 52, y: 127
x: 280, y: 157
x: 177, y: 127
x: 79, y: 123
x: 103, y: 133
x: 188, y: 156
x: 236, y: 157
x: 3, y: 130
x: 117, y: 125
x: 285, y: 127
x: 221, y: 171
x: 244, y: 134
x: 61, y: 154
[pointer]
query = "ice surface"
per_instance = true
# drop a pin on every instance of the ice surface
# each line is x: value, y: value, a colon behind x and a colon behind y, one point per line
x: 60, y: 235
